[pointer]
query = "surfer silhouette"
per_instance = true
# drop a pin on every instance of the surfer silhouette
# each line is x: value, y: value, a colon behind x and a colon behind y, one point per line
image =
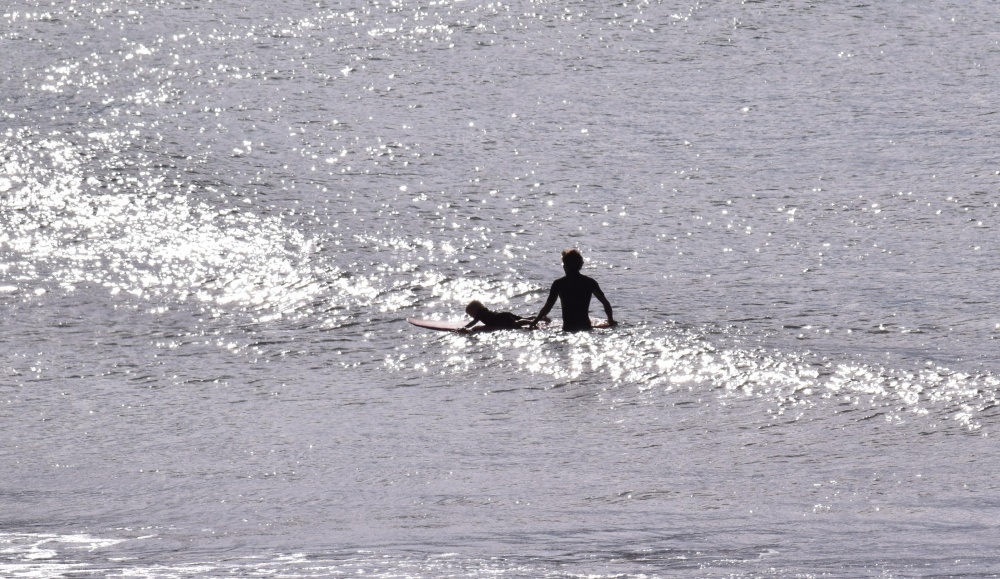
x: 481, y: 313
x: 574, y: 291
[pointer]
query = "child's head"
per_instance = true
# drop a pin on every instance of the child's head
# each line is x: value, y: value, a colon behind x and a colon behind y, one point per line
x: 572, y: 260
x: 474, y: 307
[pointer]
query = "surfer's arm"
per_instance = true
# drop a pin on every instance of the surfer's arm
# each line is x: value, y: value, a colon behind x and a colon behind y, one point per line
x: 553, y: 294
x: 607, y: 305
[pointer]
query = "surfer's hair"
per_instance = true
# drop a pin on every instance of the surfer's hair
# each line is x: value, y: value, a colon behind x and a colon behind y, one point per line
x: 474, y: 307
x: 572, y: 260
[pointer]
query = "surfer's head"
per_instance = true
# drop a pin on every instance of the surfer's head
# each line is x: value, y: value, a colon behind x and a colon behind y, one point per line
x: 572, y: 261
x: 474, y: 307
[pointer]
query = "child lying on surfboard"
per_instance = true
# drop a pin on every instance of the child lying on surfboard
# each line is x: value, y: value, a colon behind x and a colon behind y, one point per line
x: 481, y: 313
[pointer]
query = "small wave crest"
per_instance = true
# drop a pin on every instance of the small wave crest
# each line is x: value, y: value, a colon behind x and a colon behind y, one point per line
x: 669, y: 360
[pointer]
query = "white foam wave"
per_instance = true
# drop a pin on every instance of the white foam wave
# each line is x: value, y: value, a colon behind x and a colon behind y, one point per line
x: 672, y: 360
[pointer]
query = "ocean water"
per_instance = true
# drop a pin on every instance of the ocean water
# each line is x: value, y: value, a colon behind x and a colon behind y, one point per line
x: 216, y: 216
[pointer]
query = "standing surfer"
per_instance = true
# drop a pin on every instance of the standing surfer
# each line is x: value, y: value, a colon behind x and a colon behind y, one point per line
x: 574, y: 291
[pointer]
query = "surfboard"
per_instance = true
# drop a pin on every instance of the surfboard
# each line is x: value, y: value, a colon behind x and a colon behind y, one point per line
x: 440, y: 325
x: 459, y: 325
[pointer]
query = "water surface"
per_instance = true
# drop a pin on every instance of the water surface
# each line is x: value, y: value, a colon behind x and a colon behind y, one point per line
x: 215, y: 218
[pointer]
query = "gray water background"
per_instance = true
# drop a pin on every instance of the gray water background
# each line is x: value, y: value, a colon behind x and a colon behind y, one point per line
x: 216, y: 216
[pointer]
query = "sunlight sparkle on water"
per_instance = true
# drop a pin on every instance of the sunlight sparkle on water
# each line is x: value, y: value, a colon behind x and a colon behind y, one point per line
x: 667, y: 362
x: 137, y: 237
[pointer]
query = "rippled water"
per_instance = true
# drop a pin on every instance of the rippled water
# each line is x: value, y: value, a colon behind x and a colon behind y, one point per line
x: 215, y: 218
